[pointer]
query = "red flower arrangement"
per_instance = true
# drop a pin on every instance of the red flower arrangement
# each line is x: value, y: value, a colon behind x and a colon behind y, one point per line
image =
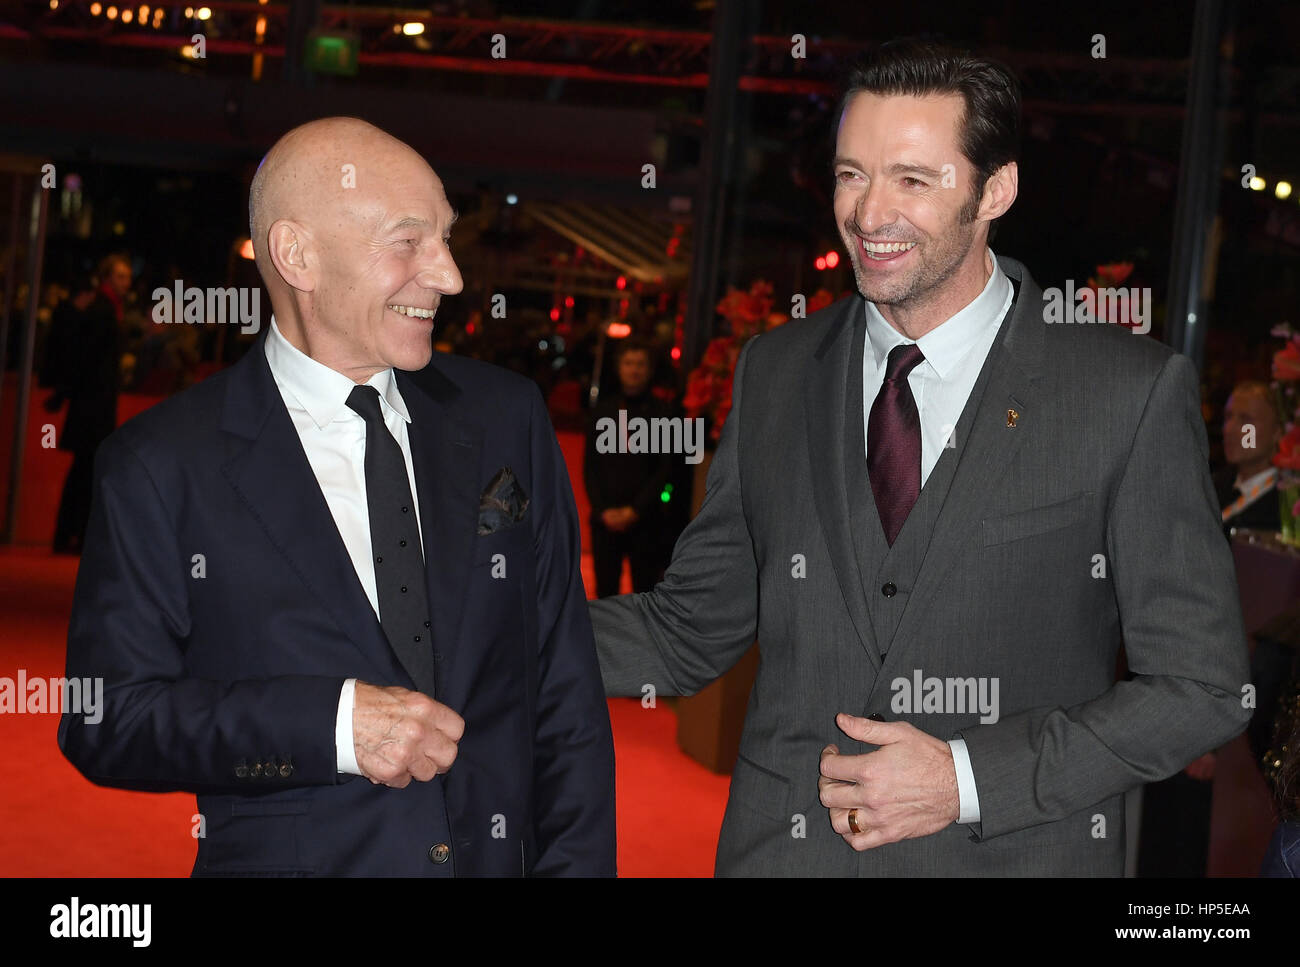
x: 708, y: 387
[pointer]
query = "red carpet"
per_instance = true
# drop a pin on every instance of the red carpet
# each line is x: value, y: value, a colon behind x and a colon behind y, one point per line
x: 55, y: 823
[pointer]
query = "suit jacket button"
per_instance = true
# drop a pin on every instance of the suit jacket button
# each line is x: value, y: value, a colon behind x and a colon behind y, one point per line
x: 257, y: 770
x: 889, y: 590
x: 440, y: 853
x: 241, y: 769
x: 286, y: 770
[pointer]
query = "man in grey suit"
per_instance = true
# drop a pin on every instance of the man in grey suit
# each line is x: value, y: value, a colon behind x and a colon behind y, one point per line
x: 941, y: 514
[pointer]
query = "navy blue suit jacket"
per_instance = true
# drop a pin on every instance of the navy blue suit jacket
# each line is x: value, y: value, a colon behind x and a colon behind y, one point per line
x: 218, y: 602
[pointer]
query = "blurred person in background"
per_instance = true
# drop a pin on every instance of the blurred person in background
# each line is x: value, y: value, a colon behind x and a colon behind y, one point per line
x: 1247, y: 486
x: 87, y: 380
x: 1175, y: 840
x: 624, y: 488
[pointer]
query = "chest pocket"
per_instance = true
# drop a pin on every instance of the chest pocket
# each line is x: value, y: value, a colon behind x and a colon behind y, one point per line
x: 1036, y: 520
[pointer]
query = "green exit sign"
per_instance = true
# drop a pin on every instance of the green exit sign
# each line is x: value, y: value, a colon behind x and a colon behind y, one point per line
x: 332, y: 52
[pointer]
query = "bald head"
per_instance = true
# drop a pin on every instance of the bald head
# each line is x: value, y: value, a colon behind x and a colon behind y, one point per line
x: 350, y: 230
x: 306, y: 173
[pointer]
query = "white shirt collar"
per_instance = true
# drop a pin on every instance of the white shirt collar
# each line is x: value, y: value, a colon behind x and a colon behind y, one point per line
x: 1265, y: 479
x: 946, y: 344
x: 323, y: 392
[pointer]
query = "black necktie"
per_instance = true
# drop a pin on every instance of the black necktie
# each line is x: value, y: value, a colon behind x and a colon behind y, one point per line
x: 894, y: 442
x: 395, y: 544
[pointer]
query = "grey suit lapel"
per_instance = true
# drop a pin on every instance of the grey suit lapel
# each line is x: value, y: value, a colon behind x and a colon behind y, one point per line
x: 1013, y: 366
x: 825, y: 412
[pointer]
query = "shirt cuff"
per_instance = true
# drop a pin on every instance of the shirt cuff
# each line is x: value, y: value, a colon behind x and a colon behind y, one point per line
x: 344, y: 749
x: 967, y: 798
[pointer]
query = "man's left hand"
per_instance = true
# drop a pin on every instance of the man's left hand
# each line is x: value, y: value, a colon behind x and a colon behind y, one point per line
x: 905, y: 789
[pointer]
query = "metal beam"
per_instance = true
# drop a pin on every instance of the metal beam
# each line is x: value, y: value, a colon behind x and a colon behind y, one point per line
x: 1198, y: 183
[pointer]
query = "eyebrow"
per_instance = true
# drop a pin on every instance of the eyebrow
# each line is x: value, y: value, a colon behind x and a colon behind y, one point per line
x: 894, y: 169
x: 413, y: 221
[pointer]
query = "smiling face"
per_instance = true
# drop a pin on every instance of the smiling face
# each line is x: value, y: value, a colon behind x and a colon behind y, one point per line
x: 352, y: 235
x: 911, y: 218
x: 385, y: 264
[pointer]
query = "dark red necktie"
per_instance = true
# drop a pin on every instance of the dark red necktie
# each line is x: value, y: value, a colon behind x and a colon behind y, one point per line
x: 894, y: 442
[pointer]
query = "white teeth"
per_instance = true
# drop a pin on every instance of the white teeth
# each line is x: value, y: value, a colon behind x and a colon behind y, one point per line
x: 414, y: 311
x: 882, y: 248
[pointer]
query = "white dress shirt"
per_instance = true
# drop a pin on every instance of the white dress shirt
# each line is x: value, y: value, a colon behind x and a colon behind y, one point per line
x: 954, y: 352
x: 334, y: 438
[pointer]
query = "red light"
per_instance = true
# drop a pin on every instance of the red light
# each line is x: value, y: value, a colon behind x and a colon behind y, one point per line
x: 568, y: 302
x: 622, y: 282
x: 469, y: 328
x: 619, y: 330
x: 820, y: 263
x: 677, y: 352
x: 832, y: 259
x: 555, y: 315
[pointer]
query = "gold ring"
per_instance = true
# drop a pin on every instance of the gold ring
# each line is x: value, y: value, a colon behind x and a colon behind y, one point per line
x: 853, y: 821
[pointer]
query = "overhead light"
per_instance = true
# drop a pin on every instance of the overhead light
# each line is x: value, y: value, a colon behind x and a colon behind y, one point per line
x: 111, y: 13
x: 512, y: 199
x: 96, y: 10
x: 1282, y: 189
x: 204, y: 13
x: 413, y: 29
x: 1258, y: 184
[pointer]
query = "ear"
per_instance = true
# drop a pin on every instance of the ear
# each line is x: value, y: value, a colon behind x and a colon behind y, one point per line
x: 289, y: 247
x: 1000, y: 191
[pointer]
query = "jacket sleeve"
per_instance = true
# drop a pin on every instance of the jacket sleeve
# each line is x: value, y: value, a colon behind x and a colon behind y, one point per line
x: 703, y: 616
x: 573, y: 771
x: 157, y: 728
x: 1181, y: 621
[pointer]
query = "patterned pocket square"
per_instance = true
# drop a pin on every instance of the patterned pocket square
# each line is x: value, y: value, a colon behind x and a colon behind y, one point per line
x: 503, y: 504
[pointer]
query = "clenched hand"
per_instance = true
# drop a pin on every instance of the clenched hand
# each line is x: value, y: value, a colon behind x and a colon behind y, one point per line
x: 400, y: 735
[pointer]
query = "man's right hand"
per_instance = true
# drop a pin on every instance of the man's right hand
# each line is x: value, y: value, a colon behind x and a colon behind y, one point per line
x: 400, y: 735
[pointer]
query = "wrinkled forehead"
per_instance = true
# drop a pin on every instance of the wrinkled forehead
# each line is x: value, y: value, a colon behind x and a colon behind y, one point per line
x: 382, y: 192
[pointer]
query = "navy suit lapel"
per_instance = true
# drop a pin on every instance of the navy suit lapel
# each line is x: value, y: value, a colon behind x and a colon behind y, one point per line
x: 269, y: 471
x: 446, y: 451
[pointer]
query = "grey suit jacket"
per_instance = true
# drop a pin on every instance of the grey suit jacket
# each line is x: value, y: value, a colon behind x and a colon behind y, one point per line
x: 1108, y: 457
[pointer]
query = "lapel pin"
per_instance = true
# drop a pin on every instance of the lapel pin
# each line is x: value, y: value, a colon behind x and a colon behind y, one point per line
x: 1012, y: 416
